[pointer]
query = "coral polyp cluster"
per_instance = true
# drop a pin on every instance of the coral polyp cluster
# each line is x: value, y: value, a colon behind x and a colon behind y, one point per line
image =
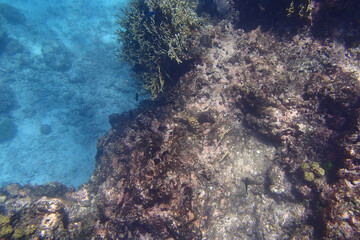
x: 312, y: 171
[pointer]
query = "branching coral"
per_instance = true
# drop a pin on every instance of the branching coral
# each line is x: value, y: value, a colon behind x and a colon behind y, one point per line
x: 155, y: 32
x: 303, y: 8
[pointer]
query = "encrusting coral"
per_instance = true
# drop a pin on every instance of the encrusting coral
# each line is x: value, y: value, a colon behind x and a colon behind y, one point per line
x: 5, y: 227
x: 153, y: 33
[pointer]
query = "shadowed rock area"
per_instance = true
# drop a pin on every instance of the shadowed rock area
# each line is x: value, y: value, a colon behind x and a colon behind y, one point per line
x: 260, y: 140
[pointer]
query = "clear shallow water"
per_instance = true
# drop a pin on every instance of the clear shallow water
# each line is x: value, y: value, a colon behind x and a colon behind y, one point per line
x: 64, y: 75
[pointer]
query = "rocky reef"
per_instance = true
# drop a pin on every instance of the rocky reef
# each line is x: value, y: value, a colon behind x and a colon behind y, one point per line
x: 258, y: 140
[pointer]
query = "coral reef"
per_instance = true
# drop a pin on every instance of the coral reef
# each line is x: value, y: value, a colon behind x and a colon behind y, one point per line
x: 259, y: 140
x: 50, y: 211
x: 153, y: 34
x: 5, y: 227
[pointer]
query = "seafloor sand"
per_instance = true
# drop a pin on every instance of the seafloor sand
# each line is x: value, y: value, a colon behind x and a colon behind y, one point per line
x: 64, y: 74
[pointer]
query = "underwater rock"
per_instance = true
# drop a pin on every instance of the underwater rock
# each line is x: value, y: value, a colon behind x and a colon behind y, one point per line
x: 3, y: 39
x: 13, y: 47
x: 77, y: 77
x: 7, y: 98
x: 8, y: 130
x: 56, y: 56
x: 52, y: 216
x: 278, y: 183
x: 45, y: 129
x: 11, y: 14
x: 36, y: 212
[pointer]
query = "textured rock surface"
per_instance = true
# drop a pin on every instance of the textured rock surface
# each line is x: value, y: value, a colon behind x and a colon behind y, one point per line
x: 56, y: 56
x: 11, y: 14
x: 7, y: 99
x: 226, y: 154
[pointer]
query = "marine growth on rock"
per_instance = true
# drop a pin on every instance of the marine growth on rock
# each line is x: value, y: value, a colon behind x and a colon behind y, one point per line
x: 256, y: 138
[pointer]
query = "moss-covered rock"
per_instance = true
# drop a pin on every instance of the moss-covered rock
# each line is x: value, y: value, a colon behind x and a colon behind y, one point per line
x: 18, y: 233
x: 4, y: 220
x: 29, y: 230
x: 5, y: 227
x: 5, y: 231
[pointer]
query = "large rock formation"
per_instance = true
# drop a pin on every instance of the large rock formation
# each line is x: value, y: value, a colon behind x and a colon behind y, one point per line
x: 260, y: 140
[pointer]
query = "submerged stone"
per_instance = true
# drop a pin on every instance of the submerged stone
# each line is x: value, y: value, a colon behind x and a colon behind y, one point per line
x: 8, y: 130
x: 57, y: 56
x: 45, y: 129
x: 11, y: 14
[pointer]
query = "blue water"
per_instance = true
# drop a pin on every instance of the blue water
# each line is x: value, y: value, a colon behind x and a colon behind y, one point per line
x: 62, y: 70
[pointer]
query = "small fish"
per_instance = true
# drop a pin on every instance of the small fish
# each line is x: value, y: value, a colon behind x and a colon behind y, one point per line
x: 261, y: 7
x: 137, y: 97
x: 148, y: 15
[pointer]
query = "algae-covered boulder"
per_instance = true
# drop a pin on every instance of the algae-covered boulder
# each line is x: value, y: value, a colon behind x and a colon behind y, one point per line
x: 5, y: 227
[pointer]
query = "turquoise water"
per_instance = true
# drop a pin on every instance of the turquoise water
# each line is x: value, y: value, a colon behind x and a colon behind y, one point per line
x: 62, y: 80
